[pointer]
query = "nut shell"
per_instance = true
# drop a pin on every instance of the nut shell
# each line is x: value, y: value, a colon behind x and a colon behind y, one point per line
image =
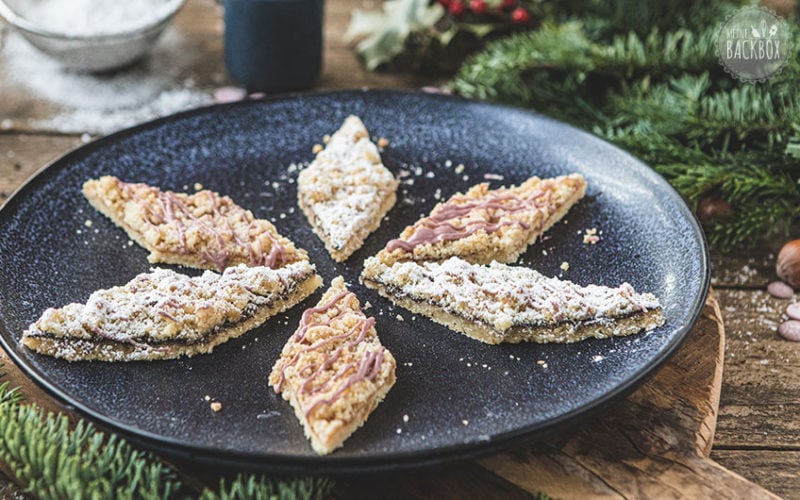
x: 788, y: 264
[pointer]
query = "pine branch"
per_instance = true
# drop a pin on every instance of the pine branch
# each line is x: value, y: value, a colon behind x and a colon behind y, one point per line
x: 51, y: 460
x: 661, y: 94
x: 498, y: 72
x: 54, y: 461
x: 250, y: 487
x: 752, y: 222
x: 611, y: 17
x: 765, y: 198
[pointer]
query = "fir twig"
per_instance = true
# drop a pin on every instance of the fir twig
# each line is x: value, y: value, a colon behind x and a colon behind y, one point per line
x: 54, y: 461
x: 48, y: 459
x: 250, y: 487
x: 656, y: 89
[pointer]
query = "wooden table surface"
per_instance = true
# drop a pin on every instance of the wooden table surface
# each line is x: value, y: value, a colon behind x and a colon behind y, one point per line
x: 759, y: 410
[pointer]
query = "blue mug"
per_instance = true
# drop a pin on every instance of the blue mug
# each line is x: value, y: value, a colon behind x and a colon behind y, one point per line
x: 274, y: 45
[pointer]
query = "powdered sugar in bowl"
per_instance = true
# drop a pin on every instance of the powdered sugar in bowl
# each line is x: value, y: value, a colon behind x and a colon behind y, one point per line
x: 91, y: 35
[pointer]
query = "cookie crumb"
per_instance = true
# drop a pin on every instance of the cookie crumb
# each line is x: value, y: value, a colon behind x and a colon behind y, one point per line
x: 207, y: 397
x: 590, y: 236
x: 216, y: 406
x: 459, y: 168
x: 198, y: 186
x: 88, y: 223
x: 564, y: 266
x: 405, y: 418
x: 326, y: 138
x: 316, y: 148
x: 383, y: 142
x: 465, y: 422
x: 399, y: 318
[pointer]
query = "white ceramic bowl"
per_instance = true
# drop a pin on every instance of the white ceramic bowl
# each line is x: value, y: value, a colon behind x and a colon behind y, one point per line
x: 93, y: 52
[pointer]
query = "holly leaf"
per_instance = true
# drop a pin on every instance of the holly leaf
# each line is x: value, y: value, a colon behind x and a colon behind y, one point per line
x: 383, y: 34
x: 480, y: 30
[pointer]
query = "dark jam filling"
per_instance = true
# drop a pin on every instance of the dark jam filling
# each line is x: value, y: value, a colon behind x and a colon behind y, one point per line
x: 515, y: 327
x: 248, y: 312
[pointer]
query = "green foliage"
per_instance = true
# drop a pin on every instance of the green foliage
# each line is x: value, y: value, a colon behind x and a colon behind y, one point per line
x: 56, y: 461
x: 655, y: 88
x: 793, y: 146
x: 383, y: 34
x: 250, y: 487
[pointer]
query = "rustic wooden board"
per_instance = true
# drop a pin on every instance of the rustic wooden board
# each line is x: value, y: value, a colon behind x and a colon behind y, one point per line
x: 774, y: 467
x: 655, y: 443
x: 760, y: 401
x: 23, y: 155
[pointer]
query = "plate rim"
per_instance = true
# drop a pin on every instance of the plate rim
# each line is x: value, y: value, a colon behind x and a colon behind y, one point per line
x: 343, y: 465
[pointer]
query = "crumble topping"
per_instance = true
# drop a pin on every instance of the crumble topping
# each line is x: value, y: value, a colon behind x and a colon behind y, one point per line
x: 201, y: 229
x: 485, y: 224
x: 345, y: 186
x: 506, y: 296
x: 333, y: 368
x: 165, y: 306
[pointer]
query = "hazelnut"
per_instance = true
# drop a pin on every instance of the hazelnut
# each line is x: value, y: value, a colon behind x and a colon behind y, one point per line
x: 788, y: 264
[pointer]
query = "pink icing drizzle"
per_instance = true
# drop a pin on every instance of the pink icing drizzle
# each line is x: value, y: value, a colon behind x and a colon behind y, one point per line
x: 172, y: 210
x: 441, y: 226
x: 367, y: 369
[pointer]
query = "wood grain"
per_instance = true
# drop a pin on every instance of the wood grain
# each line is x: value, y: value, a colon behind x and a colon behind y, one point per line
x: 21, y: 156
x: 759, y: 407
x: 773, y: 467
x: 653, y: 444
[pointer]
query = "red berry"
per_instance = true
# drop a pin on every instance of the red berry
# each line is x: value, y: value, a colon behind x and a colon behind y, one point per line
x: 478, y: 6
x: 520, y: 16
x: 456, y: 7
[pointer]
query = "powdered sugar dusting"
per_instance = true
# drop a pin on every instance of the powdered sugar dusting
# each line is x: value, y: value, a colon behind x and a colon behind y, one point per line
x: 163, y: 306
x: 506, y: 296
x: 101, y: 104
x: 346, y: 184
x: 95, y: 17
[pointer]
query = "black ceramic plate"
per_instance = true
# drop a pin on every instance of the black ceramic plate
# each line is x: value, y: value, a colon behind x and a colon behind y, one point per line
x: 461, y: 397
